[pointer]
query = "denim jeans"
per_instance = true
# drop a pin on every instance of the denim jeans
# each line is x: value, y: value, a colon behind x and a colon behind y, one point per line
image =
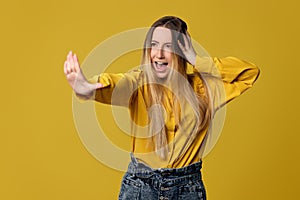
x: 142, y: 182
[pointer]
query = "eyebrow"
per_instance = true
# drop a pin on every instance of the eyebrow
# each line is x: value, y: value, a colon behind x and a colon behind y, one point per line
x: 163, y: 43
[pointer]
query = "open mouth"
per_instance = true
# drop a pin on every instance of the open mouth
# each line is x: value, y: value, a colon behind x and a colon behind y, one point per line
x: 160, y: 66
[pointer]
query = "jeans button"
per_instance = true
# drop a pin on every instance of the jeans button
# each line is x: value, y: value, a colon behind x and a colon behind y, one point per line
x: 163, y: 198
x: 164, y: 189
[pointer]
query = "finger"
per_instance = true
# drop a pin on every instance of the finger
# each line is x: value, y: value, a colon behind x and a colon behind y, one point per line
x: 76, y: 63
x: 181, y: 46
x: 68, y: 67
x: 65, y: 68
x: 71, y: 61
x: 188, y: 36
x: 186, y: 41
x: 69, y: 55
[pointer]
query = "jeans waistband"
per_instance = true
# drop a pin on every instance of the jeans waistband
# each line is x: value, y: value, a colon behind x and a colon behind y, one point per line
x: 144, y: 170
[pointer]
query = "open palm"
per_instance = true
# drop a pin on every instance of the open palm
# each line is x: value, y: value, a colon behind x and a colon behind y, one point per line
x: 76, y: 78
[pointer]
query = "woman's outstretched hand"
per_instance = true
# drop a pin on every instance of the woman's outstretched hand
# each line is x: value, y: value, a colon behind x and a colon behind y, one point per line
x: 188, y: 49
x: 76, y: 79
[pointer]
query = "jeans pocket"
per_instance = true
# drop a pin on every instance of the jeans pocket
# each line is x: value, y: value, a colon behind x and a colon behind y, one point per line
x: 130, y: 188
x: 192, y: 191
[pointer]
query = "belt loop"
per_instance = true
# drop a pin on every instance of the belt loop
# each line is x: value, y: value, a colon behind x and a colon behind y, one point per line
x: 133, y: 159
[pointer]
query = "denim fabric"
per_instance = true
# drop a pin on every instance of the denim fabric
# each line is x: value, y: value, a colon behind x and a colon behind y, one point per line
x: 142, y: 182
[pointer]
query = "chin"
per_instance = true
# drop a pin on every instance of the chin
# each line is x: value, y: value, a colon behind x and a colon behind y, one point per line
x: 162, y: 77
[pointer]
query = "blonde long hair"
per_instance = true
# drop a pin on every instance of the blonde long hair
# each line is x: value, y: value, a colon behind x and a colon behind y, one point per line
x: 199, y: 103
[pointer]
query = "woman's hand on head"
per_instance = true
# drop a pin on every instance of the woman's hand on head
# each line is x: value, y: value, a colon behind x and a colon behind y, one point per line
x: 188, y: 50
x: 76, y: 79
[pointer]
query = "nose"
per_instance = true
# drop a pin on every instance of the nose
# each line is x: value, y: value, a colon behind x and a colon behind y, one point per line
x: 160, y: 53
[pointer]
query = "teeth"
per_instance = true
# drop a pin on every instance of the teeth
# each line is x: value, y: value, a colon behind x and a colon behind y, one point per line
x: 161, y: 63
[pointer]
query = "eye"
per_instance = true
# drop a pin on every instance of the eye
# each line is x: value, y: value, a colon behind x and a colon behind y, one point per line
x: 153, y: 44
x: 168, y: 46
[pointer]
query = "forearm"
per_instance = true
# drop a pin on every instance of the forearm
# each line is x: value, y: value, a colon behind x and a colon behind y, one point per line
x: 206, y: 65
x: 117, y: 86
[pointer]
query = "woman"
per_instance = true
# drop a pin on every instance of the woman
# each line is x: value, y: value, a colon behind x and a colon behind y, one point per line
x: 172, y: 99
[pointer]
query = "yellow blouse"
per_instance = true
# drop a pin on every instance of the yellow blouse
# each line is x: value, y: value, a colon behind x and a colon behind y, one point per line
x: 236, y: 76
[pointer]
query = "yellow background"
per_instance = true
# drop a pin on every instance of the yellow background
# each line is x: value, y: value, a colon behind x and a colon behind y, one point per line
x: 42, y: 157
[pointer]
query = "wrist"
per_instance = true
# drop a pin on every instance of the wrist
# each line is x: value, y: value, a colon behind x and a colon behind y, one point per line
x: 87, y: 91
x: 193, y: 60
